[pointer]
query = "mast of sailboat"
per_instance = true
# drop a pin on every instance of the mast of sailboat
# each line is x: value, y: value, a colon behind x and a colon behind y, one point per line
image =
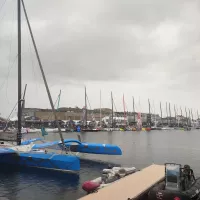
x: 23, y: 106
x: 19, y: 73
x: 23, y: 103
x: 175, y: 113
x: 186, y: 116
x: 85, y: 107
x: 178, y: 117
x: 192, y: 116
x: 170, y: 116
x: 59, y: 100
x: 161, y: 113
x: 189, y: 118
x: 124, y: 111
x: 181, y: 111
x: 167, y: 114
x: 133, y: 111
x: 197, y: 114
x: 41, y: 69
x: 100, y: 108
x: 112, y: 109
x: 149, y: 119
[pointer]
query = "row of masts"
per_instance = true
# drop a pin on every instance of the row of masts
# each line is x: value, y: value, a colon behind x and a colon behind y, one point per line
x: 188, y: 112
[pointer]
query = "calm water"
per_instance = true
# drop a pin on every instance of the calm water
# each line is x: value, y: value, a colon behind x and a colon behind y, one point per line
x: 139, y: 149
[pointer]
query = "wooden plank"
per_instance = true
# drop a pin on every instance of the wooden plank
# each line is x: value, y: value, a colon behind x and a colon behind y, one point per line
x: 130, y: 186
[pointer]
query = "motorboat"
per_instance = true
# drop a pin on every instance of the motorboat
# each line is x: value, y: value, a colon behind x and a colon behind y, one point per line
x: 179, y: 184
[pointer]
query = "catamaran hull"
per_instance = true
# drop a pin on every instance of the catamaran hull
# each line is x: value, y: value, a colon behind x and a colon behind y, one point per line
x: 50, y: 161
x: 94, y: 148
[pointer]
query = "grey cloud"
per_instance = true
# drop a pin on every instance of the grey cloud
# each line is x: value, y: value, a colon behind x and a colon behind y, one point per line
x: 99, y: 40
x: 152, y: 43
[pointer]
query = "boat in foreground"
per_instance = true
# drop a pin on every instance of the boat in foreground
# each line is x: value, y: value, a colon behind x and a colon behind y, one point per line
x: 74, y: 145
x: 108, y: 177
x: 29, y: 154
x: 179, y: 184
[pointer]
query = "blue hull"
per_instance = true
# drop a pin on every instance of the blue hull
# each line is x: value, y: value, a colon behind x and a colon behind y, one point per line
x: 94, y: 148
x: 51, y: 161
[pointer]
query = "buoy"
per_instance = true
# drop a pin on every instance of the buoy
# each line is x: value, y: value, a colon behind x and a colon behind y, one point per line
x: 148, y: 129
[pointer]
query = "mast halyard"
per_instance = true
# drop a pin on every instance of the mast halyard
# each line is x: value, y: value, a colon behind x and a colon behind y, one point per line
x: 43, y: 74
x: 19, y: 135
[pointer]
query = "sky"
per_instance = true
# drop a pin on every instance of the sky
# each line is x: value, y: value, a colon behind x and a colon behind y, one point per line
x: 141, y: 48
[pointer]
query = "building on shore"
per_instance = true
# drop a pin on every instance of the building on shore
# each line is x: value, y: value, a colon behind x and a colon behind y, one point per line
x: 65, y: 113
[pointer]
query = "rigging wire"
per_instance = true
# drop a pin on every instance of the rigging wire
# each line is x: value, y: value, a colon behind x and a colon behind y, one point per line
x: 8, y: 74
x: 93, y: 118
x: 10, y: 50
x: 3, y: 4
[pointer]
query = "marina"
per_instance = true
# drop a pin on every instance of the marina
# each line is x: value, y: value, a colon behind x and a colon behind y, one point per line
x: 140, y: 149
x: 113, y: 112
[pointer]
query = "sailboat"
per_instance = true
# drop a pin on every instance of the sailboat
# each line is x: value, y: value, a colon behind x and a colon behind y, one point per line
x: 32, y: 155
x: 24, y: 154
x: 86, y: 128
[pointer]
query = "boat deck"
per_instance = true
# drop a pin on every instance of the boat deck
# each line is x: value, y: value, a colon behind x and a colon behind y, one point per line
x: 132, y: 186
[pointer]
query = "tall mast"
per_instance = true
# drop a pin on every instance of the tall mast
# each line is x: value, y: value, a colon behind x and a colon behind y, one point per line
x: 181, y: 112
x: 112, y: 108
x: 149, y: 119
x: 85, y: 107
x: 124, y: 111
x: 59, y: 100
x: 43, y: 74
x: 167, y: 114
x: 175, y: 113
x: 161, y: 113
x: 197, y: 114
x: 100, y: 108
x: 189, y: 116
x: 186, y: 116
x: 19, y: 74
x: 170, y: 116
x: 192, y: 114
x: 133, y: 110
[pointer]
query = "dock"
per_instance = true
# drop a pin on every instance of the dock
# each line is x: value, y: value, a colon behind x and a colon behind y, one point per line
x: 130, y: 187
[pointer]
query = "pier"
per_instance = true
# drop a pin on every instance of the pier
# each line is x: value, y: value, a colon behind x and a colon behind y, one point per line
x: 130, y: 187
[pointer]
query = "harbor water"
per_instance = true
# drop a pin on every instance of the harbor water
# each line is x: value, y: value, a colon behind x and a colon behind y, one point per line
x: 140, y: 149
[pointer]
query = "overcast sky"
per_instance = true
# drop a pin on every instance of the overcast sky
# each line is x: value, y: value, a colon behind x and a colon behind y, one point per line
x: 142, y: 48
